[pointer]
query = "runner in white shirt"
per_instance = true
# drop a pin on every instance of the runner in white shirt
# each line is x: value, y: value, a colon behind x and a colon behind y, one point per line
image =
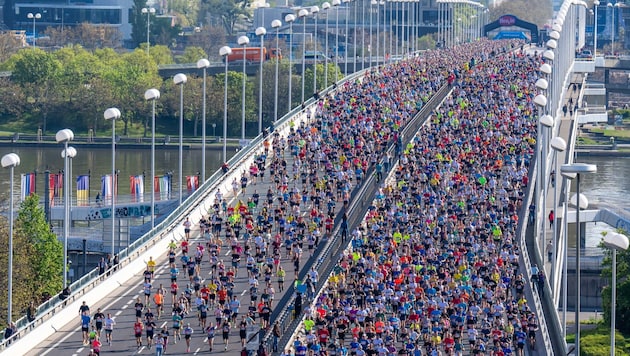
x: 109, y: 327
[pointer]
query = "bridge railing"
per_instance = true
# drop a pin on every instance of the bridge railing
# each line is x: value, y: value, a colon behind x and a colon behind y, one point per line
x: 163, y: 229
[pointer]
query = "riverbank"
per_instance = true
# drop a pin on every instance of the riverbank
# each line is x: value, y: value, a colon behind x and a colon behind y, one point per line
x: 165, y: 142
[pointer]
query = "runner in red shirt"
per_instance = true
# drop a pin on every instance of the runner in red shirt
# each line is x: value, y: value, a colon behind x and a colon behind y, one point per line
x: 137, y: 330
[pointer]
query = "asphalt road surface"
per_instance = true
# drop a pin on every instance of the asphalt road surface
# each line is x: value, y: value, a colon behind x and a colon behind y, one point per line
x: 67, y: 341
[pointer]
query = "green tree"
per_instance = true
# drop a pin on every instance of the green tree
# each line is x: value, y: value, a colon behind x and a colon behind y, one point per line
x: 211, y: 39
x: 130, y: 75
x: 426, y: 42
x: 192, y: 54
x: 138, y: 22
x: 623, y: 288
x: 228, y: 12
x: 36, y: 72
x: 47, y: 257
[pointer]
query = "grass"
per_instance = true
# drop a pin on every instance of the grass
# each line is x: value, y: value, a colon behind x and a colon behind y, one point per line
x: 612, y: 133
x: 596, y: 342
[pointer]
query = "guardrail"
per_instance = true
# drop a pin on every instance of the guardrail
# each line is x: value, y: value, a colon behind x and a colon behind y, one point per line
x: 159, y: 232
x: 326, y: 256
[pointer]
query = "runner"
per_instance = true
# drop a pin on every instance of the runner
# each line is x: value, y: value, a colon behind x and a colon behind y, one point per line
x: 109, y: 328
x: 99, y: 318
x: 187, y: 224
x: 158, y: 298
x: 177, y: 323
x: 188, y: 331
x: 137, y: 330
x: 210, y: 330
x: 149, y: 327
x: 225, y: 329
x: 85, y: 326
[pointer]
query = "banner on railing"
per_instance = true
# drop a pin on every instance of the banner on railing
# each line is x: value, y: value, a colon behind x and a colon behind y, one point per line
x: 192, y: 182
x: 163, y: 186
x: 28, y: 185
x: 109, y: 187
x: 55, y: 185
x: 83, y: 190
x: 136, y: 184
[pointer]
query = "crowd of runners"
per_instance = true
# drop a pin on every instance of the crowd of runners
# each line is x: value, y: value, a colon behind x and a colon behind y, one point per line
x: 434, y: 267
x: 435, y: 261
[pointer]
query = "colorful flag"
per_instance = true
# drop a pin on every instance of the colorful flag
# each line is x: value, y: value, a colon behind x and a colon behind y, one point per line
x: 137, y: 188
x: 109, y: 188
x: 55, y: 185
x: 192, y: 182
x: 163, y: 186
x: 83, y: 190
x: 28, y: 185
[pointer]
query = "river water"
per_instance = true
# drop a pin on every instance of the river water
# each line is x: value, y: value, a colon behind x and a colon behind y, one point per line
x: 97, y: 162
x: 608, y: 185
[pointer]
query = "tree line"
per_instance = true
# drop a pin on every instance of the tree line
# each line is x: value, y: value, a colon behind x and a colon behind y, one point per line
x: 73, y: 86
x: 37, y: 260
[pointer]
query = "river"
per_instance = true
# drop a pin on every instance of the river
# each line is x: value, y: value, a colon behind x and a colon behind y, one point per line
x: 97, y: 162
x: 607, y: 185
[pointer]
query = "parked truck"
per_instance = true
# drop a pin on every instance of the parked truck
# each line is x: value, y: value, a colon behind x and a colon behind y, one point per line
x: 253, y: 54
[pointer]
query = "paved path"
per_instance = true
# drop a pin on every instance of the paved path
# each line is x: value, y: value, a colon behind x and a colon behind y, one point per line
x: 120, y: 302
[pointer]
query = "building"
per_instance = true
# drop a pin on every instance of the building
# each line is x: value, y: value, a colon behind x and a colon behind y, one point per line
x: 67, y: 13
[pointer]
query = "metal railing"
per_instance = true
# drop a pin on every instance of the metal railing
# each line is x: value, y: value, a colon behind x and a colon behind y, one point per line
x: 327, y: 255
x: 160, y: 231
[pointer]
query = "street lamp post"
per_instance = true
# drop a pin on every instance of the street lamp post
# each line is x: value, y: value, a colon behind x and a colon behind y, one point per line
x: 261, y: 32
x: 314, y: 11
x: 225, y: 51
x: 113, y: 114
x: 616, y: 242
x: 36, y: 16
x: 336, y: 4
x: 596, y: 5
x: 289, y: 19
x: 64, y: 136
x: 326, y: 7
x: 541, y: 102
x: 345, y: 49
x: 10, y: 161
x: 153, y: 95
x: 276, y: 24
x: 204, y: 63
x: 180, y: 79
x: 546, y: 123
x: 303, y: 13
x: 558, y: 144
x: 243, y: 41
x: 149, y: 11
x: 578, y: 169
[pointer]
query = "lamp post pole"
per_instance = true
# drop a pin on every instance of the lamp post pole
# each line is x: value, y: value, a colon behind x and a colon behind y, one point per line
x: 113, y: 114
x: 204, y: 63
x: 64, y: 136
x: 336, y: 3
x: 243, y: 41
x: 10, y: 161
x: 596, y: 5
x: 326, y: 7
x: 261, y: 31
x: 559, y: 145
x: 614, y: 241
x: 303, y: 13
x: 578, y: 169
x: 34, y: 17
x: 289, y: 19
x: 180, y: 79
x: 153, y: 95
x: 225, y: 51
x: 315, y: 11
x: 276, y: 24
x: 345, y: 49
x: 148, y: 11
